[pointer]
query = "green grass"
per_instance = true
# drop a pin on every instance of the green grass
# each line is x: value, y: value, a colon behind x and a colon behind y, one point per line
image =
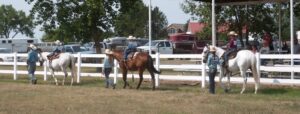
x: 172, y: 97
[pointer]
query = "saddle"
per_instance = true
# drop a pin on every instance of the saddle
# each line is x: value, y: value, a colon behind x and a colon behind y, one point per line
x: 54, y: 56
x: 230, y: 55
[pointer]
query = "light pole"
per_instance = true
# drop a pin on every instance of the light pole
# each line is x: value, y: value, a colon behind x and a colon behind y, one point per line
x: 149, y: 27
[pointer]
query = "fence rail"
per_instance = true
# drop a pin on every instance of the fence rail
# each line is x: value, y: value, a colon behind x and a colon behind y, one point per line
x: 178, y: 67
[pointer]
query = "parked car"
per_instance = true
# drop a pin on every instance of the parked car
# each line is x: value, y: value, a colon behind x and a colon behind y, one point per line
x: 75, y: 48
x: 163, y: 46
x: 91, y: 46
x: 5, y: 58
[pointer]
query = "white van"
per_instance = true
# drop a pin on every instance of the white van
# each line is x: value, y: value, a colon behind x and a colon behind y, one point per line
x: 161, y: 46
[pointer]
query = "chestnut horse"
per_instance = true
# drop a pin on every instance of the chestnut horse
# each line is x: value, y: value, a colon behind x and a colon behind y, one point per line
x: 139, y: 62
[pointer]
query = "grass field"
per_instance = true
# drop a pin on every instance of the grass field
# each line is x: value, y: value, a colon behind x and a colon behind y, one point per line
x: 90, y: 97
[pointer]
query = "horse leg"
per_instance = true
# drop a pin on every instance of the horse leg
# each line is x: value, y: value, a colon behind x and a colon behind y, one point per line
x: 222, y: 73
x: 55, y: 79
x: 256, y: 78
x: 125, y: 79
x: 243, y: 74
x: 66, y: 74
x: 228, y: 82
x: 141, y: 78
x: 153, y: 80
x: 72, y: 76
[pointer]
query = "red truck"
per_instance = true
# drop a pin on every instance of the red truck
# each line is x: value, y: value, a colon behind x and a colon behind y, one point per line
x: 186, y: 43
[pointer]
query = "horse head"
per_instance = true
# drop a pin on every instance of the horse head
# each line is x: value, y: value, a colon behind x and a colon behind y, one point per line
x: 41, y: 59
x: 205, y: 53
x: 118, y: 55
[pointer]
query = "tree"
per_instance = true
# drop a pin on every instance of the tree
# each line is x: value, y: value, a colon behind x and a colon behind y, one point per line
x: 256, y: 18
x: 159, y: 24
x: 13, y: 22
x: 133, y: 20
x: 76, y: 20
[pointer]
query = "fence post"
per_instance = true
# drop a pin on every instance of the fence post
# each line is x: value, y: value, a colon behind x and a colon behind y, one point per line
x: 15, y: 66
x: 45, y: 70
x: 115, y: 71
x: 78, y: 66
x: 157, y: 62
x: 258, y: 63
x: 203, y: 74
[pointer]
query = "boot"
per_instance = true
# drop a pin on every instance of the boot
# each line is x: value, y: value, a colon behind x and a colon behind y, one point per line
x: 35, y: 81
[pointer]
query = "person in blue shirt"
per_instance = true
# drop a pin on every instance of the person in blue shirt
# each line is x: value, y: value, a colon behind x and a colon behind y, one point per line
x: 57, y: 50
x: 212, y: 62
x: 107, y: 68
x: 31, y: 63
x: 130, y: 48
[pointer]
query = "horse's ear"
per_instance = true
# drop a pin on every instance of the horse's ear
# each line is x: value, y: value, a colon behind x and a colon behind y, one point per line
x: 207, y: 46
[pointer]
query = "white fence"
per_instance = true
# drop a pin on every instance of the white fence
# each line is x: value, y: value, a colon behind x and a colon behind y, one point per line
x: 182, y: 67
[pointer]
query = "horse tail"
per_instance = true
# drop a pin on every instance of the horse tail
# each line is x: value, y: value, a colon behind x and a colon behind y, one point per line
x: 151, y: 65
x: 254, y: 69
x: 72, y: 66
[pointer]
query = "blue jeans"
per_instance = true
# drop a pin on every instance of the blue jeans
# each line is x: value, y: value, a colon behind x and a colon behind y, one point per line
x: 55, y: 51
x: 106, y: 74
x: 227, y: 53
x: 212, y: 74
x: 127, y: 52
x: 31, y: 69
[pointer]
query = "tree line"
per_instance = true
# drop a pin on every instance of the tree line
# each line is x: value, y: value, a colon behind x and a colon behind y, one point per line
x: 83, y: 20
x: 252, y: 18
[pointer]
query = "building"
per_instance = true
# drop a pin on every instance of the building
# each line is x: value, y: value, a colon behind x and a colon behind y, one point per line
x: 175, y: 29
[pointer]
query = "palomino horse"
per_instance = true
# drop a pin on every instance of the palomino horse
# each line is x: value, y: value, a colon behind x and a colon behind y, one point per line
x: 139, y: 62
x: 60, y: 64
x: 244, y: 60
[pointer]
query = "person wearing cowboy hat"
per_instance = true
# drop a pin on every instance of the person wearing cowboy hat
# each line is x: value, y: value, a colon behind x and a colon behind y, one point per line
x: 130, y: 48
x: 231, y: 45
x: 107, y: 68
x: 59, y: 48
x: 212, y: 62
x: 31, y: 63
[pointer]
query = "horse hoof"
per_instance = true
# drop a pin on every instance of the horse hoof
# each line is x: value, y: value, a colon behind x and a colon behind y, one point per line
x: 226, y: 90
x: 114, y: 86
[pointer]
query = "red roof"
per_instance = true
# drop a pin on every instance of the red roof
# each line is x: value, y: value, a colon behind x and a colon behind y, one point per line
x: 195, y: 27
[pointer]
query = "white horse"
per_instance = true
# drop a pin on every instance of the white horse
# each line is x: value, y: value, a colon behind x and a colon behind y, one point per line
x: 60, y: 64
x: 244, y: 60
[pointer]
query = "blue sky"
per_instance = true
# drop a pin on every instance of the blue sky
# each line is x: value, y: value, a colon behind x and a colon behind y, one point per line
x: 171, y: 8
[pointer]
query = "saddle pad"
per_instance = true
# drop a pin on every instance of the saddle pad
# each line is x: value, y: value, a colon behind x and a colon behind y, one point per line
x: 233, y: 54
x: 132, y: 55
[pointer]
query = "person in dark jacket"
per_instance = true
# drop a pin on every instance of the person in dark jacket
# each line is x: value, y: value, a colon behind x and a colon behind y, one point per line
x: 31, y: 63
x: 212, y: 62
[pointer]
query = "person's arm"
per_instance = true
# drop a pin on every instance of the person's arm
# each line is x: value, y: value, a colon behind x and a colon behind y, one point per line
x: 209, y: 61
x: 104, y: 61
x: 218, y: 60
x: 28, y: 58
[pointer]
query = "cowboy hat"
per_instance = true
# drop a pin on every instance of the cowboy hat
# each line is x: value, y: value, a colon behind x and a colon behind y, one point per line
x: 32, y: 46
x: 57, y: 42
x: 131, y: 37
x: 212, y: 49
x: 232, y: 33
x: 107, y: 51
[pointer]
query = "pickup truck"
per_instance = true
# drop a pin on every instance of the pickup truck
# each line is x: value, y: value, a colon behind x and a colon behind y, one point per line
x: 161, y: 46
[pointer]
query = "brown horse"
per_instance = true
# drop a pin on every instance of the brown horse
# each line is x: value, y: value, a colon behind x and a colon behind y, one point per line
x: 139, y: 62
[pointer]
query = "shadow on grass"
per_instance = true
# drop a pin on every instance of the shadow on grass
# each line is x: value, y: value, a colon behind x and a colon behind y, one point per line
x: 274, y: 91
